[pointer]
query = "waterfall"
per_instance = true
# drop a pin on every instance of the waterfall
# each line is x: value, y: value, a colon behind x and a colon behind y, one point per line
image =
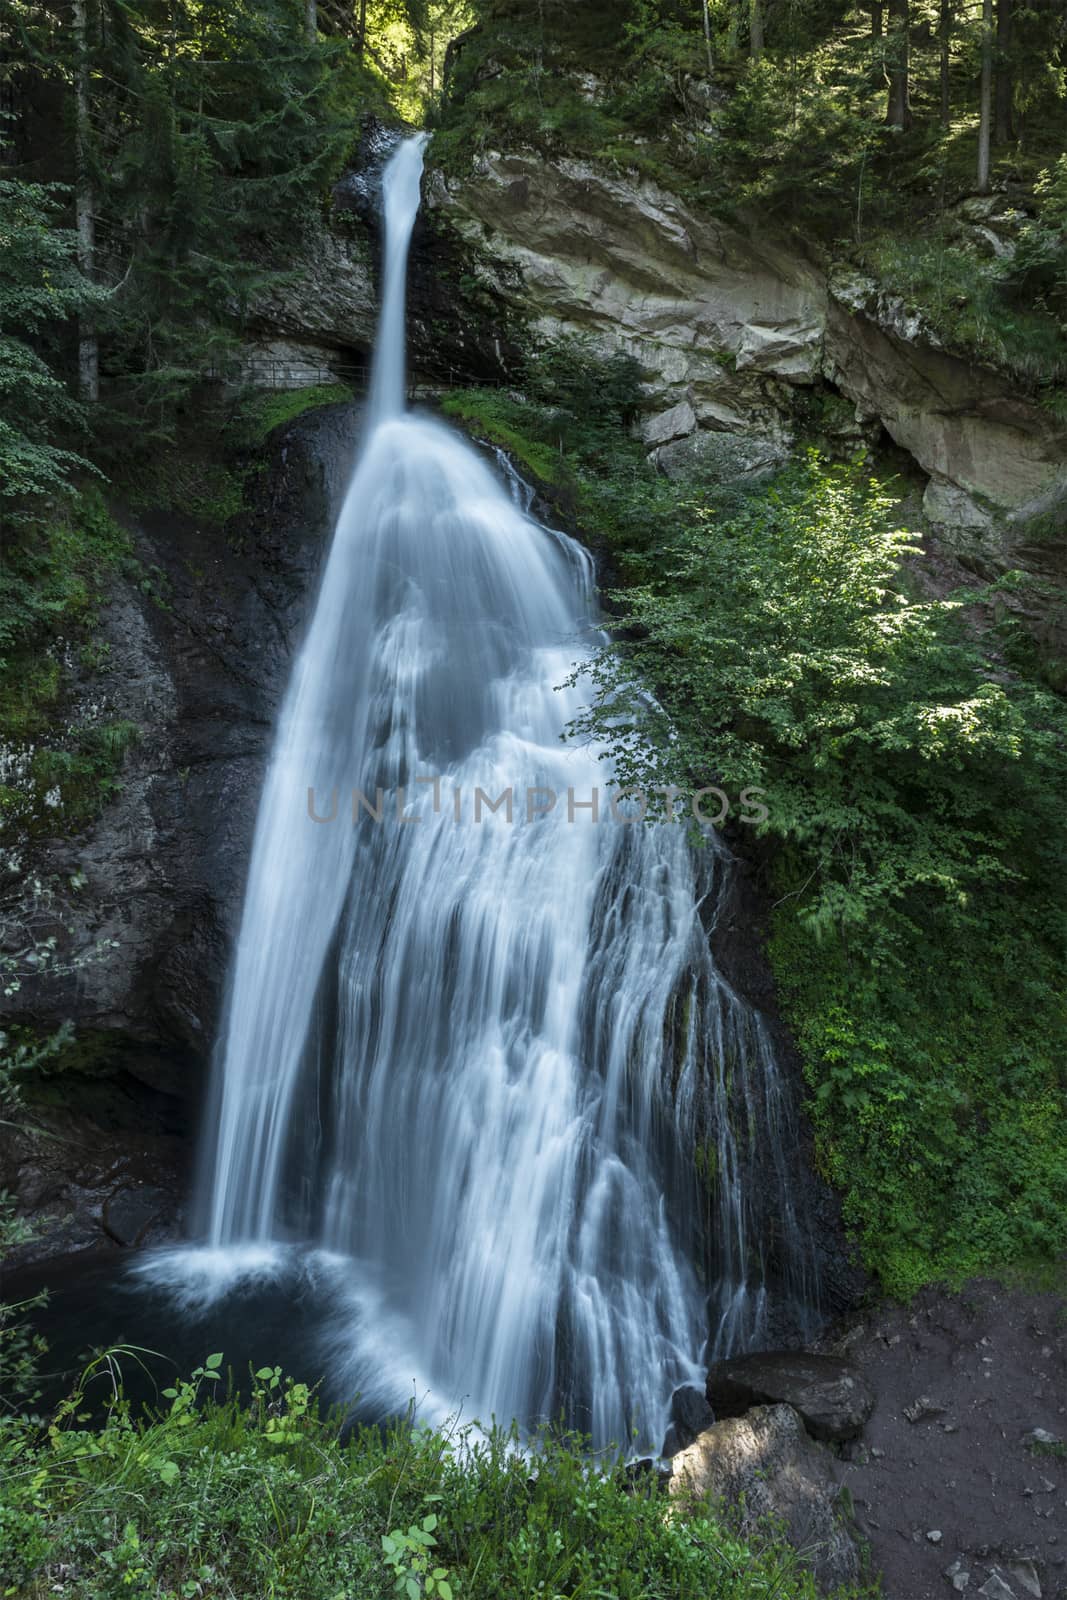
x: 400, y: 206
x: 479, y: 1066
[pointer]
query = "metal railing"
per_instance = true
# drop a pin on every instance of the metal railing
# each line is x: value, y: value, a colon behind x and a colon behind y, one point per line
x: 281, y: 372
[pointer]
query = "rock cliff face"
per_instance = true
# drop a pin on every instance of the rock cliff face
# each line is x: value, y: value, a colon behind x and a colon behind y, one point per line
x: 731, y: 328
x: 736, y: 332
x: 316, y: 320
x: 198, y: 660
x: 714, y: 318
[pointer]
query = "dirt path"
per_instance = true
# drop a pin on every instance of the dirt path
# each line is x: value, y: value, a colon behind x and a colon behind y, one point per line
x: 959, y: 1479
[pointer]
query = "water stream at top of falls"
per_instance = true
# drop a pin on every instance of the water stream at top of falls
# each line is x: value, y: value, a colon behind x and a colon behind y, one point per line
x: 469, y: 1055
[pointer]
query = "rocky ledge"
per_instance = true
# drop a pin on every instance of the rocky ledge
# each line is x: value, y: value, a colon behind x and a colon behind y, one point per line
x: 929, y: 1440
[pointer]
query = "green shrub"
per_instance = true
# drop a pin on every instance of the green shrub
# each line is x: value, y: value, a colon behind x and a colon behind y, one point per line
x: 267, y: 1497
x: 915, y: 842
x: 974, y: 305
x: 918, y: 845
x: 1038, y: 270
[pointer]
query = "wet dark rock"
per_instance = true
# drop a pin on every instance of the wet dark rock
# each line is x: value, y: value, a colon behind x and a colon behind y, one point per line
x: 199, y: 663
x: 96, y: 1164
x: 648, y: 1472
x: 738, y: 933
x: 138, y: 1214
x: 690, y: 1415
x: 830, y: 1395
x: 198, y: 659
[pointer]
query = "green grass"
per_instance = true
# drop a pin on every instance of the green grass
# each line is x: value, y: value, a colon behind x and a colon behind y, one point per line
x: 490, y: 415
x: 267, y: 1498
x: 963, y: 297
x: 266, y: 410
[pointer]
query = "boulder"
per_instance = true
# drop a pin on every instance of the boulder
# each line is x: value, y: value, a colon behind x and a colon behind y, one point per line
x: 138, y: 1214
x: 721, y: 457
x: 829, y: 1394
x: 762, y: 1467
x: 690, y: 1416
x: 674, y: 423
x: 948, y: 506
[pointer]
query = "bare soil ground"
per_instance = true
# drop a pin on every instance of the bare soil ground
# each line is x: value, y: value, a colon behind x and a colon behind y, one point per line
x: 947, y: 1470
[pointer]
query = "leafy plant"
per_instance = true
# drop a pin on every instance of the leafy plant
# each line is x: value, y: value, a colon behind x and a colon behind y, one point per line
x: 199, y: 1496
x: 1038, y: 268
x: 408, y: 1555
x: 918, y: 851
x: 40, y: 289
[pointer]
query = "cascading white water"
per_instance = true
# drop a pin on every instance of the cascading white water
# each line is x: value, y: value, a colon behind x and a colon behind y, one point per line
x: 469, y: 1054
x: 400, y: 204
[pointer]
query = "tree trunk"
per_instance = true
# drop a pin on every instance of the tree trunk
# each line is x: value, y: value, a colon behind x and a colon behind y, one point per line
x: 898, y: 113
x: 876, y: 20
x: 707, y: 39
x: 755, y: 29
x: 945, y: 37
x: 361, y: 37
x: 88, y: 347
x: 985, y: 97
x: 311, y: 19
x: 1003, y: 84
